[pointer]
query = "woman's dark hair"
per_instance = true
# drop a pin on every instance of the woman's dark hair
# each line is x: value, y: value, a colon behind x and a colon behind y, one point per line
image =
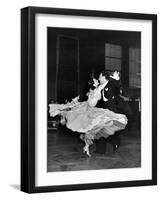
x: 106, y: 74
x: 90, y: 83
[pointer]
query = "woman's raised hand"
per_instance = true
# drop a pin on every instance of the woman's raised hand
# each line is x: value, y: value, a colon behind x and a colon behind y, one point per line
x: 116, y: 75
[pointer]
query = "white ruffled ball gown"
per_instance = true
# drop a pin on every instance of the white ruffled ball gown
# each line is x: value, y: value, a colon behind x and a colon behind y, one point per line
x: 89, y: 120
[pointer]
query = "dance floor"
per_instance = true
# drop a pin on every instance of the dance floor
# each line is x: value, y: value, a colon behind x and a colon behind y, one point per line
x: 65, y: 152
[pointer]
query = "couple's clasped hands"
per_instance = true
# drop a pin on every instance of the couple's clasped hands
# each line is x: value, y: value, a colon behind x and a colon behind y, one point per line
x: 116, y: 75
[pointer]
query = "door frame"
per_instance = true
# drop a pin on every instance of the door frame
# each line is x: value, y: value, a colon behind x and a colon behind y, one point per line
x: 58, y: 60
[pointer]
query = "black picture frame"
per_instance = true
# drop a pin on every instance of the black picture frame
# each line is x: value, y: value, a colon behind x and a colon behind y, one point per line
x: 28, y: 98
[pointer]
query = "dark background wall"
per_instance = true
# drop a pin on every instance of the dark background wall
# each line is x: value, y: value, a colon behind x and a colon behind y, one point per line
x: 92, y: 53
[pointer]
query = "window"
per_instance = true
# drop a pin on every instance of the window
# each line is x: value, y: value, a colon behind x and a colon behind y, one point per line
x: 113, y: 54
x: 134, y: 68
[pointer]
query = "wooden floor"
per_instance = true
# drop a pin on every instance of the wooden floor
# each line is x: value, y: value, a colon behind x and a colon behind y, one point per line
x: 65, y: 152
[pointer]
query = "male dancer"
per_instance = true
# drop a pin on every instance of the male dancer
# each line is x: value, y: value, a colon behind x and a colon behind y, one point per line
x: 108, y: 101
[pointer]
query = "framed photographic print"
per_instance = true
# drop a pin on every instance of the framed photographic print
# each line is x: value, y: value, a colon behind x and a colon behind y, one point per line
x: 88, y: 99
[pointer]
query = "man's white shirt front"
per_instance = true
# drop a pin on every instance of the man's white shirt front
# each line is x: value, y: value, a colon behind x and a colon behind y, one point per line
x: 104, y: 98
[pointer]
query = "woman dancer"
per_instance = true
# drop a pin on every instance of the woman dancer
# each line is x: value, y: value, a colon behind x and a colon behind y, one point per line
x: 89, y: 120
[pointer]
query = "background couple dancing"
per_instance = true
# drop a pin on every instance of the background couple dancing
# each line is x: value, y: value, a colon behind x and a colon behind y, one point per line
x: 98, y: 117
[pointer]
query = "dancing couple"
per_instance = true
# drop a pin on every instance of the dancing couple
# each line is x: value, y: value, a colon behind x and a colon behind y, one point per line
x: 97, y: 117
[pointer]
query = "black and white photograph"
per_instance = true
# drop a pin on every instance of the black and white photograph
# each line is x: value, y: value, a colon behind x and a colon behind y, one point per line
x: 80, y: 100
x: 94, y: 99
x: 89, y: 91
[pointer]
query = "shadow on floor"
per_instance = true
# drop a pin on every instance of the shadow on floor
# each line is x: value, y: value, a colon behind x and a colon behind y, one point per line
x: 65, y: 153
x: 15, y: 186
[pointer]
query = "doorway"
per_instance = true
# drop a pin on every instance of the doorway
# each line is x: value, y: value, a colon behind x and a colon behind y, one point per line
x: 67, y: 68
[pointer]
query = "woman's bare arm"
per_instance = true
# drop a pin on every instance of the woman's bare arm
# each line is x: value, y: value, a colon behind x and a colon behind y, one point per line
x: 100, y: 87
